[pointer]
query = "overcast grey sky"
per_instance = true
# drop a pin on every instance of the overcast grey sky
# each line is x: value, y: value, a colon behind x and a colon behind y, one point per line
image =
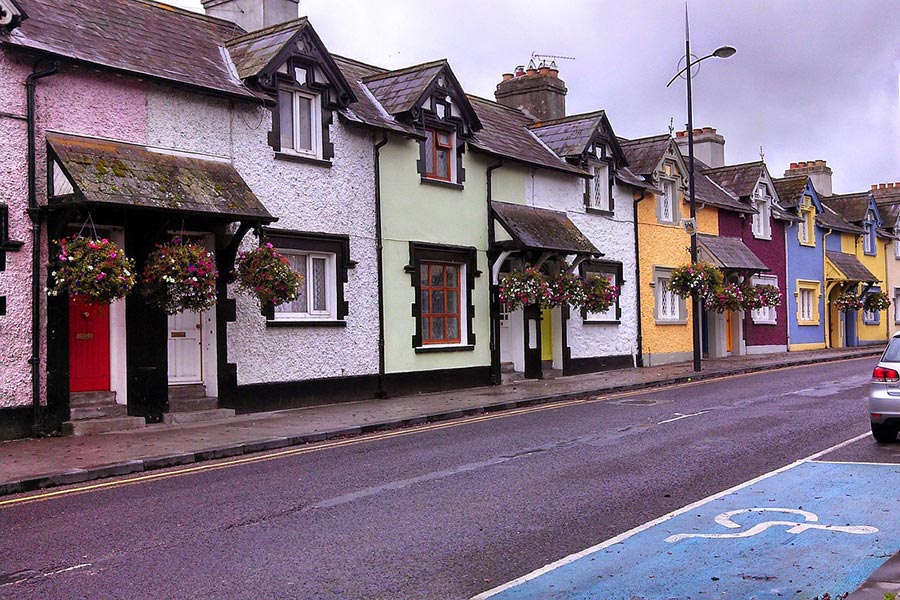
x: 812, y: 79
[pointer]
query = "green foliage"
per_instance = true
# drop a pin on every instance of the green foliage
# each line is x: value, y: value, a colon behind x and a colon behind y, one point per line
x: 180, y: 276
x: 267, y: 274
x: 96, y: 270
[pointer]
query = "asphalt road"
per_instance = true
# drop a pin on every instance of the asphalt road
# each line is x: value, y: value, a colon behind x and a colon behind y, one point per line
x: 440, y: 511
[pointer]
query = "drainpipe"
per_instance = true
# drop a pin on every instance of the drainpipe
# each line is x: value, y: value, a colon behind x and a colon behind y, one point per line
x: 637, y: 282
x: 494, y: 307
x: 35, y: 213
x: 825, y: 308
x: 787, y: 281
x: 379, y: 252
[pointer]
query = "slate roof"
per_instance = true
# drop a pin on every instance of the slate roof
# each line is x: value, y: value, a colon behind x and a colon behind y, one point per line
x: 831, y: 220
x: 569, y: 136
x: 730, y: 253
x: 890, y: 211
x: 852, y: 207
x: 252, y: 52
x: 110, y: 172
x: 542, y: 229
x: 790, y: 190
x: 644, y: 154
x: 783, y: 215
x: 136, y: 36
x: 740, y: 180
x: 624, y: 175
x: 398, y: 91
x: 366, y: 109
x: 707, y: 191
x: 504, y: 133
x: 850, y: 266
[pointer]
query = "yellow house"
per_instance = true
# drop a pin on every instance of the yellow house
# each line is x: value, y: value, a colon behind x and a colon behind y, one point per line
x: 869, y: 247
x: 887, y: 197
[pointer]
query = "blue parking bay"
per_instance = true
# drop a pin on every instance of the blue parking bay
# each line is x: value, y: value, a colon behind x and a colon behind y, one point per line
x: 814, y: 528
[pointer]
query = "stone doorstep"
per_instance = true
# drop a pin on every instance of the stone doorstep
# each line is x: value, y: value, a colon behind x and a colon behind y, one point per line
x: 91, y: 398
x: 179, y: 405
x: 193, y: 390
x: 197, y: 416
x: 97, y: 411
x: 102, y: 425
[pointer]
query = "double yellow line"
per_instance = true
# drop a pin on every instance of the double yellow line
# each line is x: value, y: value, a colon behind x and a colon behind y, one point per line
x: 319, y: 447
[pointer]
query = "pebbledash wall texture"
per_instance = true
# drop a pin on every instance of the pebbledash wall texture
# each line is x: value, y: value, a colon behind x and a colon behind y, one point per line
x: 75, y: 100
x: 304, y: 197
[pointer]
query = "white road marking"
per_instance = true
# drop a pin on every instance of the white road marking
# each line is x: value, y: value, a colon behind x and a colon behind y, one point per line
x: 724, y: 519
x: 681, y: 416
x: 40, y: 575
x: 624, y: 536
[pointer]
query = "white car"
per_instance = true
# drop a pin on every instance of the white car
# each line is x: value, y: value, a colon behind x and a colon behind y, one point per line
x: 884, y: 394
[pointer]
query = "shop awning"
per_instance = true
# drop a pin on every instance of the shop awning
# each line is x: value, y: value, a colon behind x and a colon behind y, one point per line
x: 97, y: 171
x: 541, y: 229
x: 850, y: 267
x: 729, y: 253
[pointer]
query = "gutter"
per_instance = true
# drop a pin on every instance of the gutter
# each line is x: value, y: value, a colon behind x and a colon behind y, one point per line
x: 639, y: 341
x: 379, y: 252
x: 494, y: 306
x: 35, y: 213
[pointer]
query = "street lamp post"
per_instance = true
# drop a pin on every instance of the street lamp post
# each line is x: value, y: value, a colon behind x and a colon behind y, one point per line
x: 690, y: 61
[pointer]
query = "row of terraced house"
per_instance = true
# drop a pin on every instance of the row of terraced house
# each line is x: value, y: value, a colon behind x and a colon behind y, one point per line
x: 402, y: 200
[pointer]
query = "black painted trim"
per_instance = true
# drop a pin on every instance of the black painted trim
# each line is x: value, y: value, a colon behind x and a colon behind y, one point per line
x: 580, y: 366
x: 440, y: 380
x: 603, y: 266
x: 423, y: 251
x: 271, y: 322
x: 436, y: 349
x: 16, y: 422
x: 299, y: 158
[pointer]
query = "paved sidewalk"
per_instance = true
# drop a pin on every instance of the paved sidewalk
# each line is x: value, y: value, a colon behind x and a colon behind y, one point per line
x: 31, y: 464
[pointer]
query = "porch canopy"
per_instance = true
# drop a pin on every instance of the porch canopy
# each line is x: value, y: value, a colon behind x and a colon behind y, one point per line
x: 95, y: 171
x: 541, y: 229
x: 850, y: 267
x: 729, y: 253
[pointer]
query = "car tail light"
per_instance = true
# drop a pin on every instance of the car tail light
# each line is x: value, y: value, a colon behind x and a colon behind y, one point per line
x: 883, y: 375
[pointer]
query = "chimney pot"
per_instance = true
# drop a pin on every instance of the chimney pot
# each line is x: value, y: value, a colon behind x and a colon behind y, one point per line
x: 679, y: 134
x: 544, y: 70
x: 801, y: 164
x: 793, y: 166
x: 891, y: 184
x: 882, y: 186
x: 507, y: 76
x: 520, y: 70
x: 531, y: 72
x: 554, y: 72
x: 698, y: 131
x: 874, y: 186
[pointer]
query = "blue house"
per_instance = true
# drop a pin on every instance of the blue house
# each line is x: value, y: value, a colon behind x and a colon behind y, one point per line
x: 804, y: 293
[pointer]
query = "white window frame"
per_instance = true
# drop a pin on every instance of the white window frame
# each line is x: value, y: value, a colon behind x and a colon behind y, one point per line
x: 666, y: 297
x: 600, y: 196
x: 896, y: 244
x: 672, y: 216
x: 762, y: 220
x: 766, y: 315
x: 897, y: 305
x: 610, y: 315
x: 315, y: 124
x: 805, y: 315
x: 330, y: 313
x: 869, y: 239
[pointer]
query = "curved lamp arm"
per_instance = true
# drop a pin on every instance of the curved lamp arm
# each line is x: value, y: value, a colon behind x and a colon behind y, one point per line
x: 721, y: 52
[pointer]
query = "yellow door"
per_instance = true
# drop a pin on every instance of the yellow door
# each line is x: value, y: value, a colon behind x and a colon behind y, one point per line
x: 546, y: 334
x: 728, y: 331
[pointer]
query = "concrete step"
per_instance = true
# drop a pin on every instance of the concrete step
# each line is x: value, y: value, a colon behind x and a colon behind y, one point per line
x: 103, y: 425
x: 192, y: 390
x: 552, y: 373
x: 90, y: 398
x: 507, y: 367
x: 198, y: 416
x: 179, y: 405
x: 97, y: 411
x: 511, y: 377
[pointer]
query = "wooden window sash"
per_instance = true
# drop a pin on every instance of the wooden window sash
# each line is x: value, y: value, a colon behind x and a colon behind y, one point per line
x: 428, y: 315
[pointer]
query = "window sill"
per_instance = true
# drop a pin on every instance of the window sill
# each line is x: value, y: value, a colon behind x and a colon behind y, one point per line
x: 598, y: 322
x: 308, y: 323
x: 762, y: 237
x: 438, y: 348
x: 671, y: 322
x: 593, y: 210
x: 808, y: 323
x: 441, y: 183
x: 765, y: 322
x: 668, y: 223
x: 807, y: 245
x: 299, y: 158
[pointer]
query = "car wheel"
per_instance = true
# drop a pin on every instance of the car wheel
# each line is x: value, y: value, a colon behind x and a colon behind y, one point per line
x: 884, y: 433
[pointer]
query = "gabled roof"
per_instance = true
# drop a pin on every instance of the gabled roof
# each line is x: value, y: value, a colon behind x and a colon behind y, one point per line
x: 740, y: 180
x: 504, y: 133
x: 366, y: 110
x: 791, y: 190
x: 119, y: 173
x: 141, y: 37
x: 730, y: 253
x: 542, y: 229
x: 572, y: 135
x: 890, y: 212
x: 11, y: 14
x: 850, y: 266
x: 853, y: 207
x: 645, y: 154
x: 259, y: 53
x: 709, y: 192
x: 831, y: 220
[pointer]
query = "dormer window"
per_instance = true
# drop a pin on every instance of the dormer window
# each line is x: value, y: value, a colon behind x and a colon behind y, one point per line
x: 869, y: 239
x: 599, y: 196
x: 762, y: 202
x: 300, y: 122
x: 805, y: 230
x: 439, y: 152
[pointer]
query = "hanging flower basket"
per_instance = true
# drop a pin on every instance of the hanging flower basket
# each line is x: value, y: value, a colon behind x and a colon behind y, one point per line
x: 96, y: 270
x: 847, y: 301
x: 566, y: 289
x: 753, y: 299
x: 877, y: 301
x: 180, y: 276
x: 769, y: 294
x: 268, y: 275
x: 726, y: 297
x: 599, y: 294
x: 524, y: 288
x: 701, y: 278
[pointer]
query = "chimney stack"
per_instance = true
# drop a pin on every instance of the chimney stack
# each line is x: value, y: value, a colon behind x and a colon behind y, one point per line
x: 709, y: 146
x: 817, y: 170
x: 252, y: 14
x: 537, y: 91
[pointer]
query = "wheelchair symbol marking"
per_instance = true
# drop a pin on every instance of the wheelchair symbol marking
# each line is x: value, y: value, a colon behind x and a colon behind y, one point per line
x: 811, y: 522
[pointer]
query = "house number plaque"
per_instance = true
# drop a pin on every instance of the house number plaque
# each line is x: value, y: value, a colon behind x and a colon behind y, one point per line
x: 178, y: 334
x: 84, y: 336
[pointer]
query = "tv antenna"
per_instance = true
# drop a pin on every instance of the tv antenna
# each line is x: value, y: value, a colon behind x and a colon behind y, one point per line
x: 541, y: 60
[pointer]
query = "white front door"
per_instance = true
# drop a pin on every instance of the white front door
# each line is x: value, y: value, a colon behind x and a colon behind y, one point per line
x: 185, y: 348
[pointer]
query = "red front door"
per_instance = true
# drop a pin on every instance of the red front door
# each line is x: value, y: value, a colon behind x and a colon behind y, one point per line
x: 88, y: 346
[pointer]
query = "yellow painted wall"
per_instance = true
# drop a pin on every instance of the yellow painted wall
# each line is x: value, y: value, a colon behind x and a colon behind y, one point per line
x: 664, y: 245
x: 853, y: 244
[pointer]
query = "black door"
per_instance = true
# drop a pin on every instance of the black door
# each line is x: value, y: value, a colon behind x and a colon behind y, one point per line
x: 532, y: 323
